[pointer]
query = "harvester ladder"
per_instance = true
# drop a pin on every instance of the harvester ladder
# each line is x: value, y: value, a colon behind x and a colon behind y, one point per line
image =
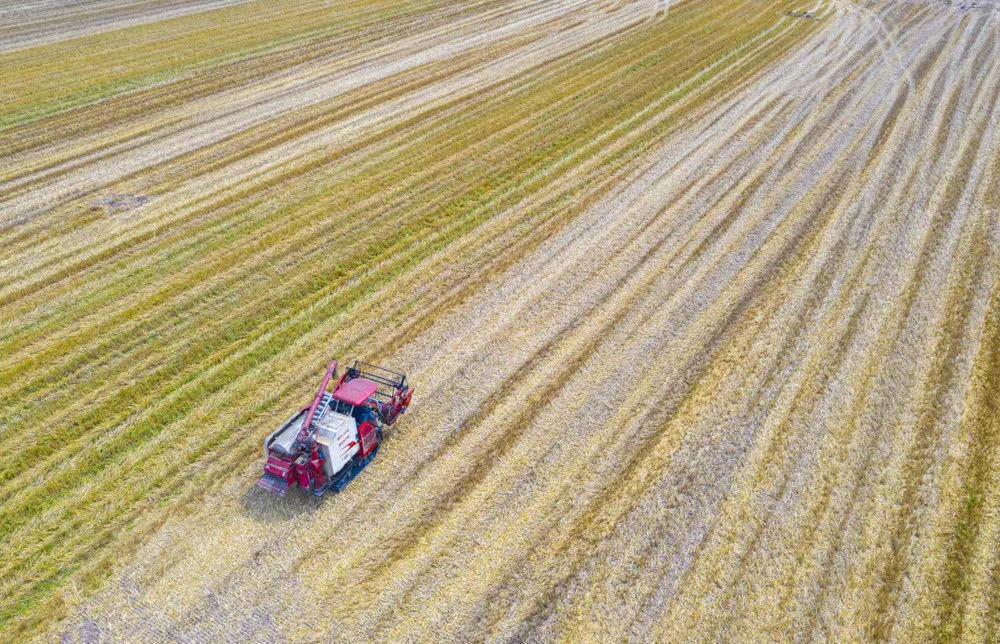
x: 324, y: 404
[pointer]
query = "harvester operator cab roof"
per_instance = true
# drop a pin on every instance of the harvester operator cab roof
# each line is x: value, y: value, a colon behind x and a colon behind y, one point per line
x: 356, y: 391
x: 351, y: 399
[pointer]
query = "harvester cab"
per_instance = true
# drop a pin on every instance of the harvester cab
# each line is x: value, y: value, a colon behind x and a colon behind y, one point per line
x: 324, y: 446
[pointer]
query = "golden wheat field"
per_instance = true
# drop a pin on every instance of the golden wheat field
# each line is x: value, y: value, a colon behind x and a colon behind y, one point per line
x: 700, y: 300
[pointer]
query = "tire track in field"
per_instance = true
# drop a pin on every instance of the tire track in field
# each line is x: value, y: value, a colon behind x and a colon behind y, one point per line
x: 767, y: 552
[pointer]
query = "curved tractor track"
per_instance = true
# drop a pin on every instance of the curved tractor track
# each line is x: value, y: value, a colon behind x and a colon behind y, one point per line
x: 701, y: 301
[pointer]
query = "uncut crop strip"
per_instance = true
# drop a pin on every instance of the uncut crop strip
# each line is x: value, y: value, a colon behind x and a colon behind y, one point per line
x: 777, y: 286
x: 173, y: 171
x: 73, y: 526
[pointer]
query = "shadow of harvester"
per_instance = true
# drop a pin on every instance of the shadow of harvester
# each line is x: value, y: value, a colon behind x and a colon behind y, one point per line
x: 265, y: 507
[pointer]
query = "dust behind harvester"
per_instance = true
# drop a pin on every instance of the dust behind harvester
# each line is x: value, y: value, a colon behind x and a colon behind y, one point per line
x: 324, y: 446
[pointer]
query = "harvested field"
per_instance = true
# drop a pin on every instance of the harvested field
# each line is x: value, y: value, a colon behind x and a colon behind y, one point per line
x: 36, y: 22
x: 701, y: 301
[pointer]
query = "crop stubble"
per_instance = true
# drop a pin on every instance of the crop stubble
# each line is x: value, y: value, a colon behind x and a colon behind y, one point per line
x: 701, y: 309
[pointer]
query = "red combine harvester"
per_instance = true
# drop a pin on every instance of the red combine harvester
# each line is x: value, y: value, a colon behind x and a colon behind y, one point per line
x: 324, y: 446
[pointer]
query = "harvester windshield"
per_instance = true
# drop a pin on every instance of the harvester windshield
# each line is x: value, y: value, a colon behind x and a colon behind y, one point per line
x: 341, y: 407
